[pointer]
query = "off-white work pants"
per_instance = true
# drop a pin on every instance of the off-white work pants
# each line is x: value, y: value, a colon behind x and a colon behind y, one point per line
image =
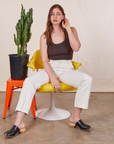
x: 64, y: 72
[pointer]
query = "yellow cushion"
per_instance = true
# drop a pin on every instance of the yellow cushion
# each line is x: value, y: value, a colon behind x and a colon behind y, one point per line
x: 48, y: 88
x: 36, y: 63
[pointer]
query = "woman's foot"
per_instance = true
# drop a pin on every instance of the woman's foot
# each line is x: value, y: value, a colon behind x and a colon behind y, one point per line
x: 75, y: 120
x: 80, y: 124
x: 14, y: 131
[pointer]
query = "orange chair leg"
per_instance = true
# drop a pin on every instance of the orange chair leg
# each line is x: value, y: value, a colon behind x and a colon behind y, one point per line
x: 10, y: 100
x: 33, y: 107
x: 35, y: 102
x: 8, y: 91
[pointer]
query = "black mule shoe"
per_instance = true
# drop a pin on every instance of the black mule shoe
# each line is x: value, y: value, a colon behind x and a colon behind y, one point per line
x: 81, y: 125
x: 14, y: 131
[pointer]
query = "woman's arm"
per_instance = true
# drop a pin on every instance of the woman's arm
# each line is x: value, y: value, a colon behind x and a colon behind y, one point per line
x: 44, y: 57
x: 73, y: 36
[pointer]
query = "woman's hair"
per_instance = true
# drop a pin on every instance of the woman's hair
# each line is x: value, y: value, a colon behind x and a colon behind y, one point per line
x: 49, y: 26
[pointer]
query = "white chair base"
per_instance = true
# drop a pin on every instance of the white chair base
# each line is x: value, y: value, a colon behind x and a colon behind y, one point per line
x: 52, y: 113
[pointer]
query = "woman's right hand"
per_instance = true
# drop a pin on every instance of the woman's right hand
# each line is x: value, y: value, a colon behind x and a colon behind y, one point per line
x: 55, y: 84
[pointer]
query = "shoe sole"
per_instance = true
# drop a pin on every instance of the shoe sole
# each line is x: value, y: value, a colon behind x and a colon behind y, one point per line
x: 87, y: 130
x: 11, y: 136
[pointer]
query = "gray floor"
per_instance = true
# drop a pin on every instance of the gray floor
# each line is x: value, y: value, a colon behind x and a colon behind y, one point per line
x: 100, y: 116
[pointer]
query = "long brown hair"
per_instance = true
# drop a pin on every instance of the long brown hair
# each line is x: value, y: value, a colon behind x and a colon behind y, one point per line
x: 49, y: 26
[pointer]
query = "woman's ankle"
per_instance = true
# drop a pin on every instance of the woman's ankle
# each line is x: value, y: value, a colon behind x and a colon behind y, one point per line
x: 19, y: 124
x: 75, y: 115
x: 74, y: 119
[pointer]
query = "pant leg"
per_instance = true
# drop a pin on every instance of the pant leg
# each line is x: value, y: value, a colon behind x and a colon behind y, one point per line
x: 33, y: 82
x: 83, y: 82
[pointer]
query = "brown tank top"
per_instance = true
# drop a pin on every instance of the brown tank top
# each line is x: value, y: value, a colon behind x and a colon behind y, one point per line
x: 60, y: 51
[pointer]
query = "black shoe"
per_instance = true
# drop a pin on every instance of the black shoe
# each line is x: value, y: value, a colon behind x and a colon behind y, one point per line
x: 81, y: 125
x: 14, y: 131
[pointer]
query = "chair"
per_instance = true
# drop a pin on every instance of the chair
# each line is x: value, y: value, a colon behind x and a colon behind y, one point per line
x: 52, y: 113
x: 11, y: 86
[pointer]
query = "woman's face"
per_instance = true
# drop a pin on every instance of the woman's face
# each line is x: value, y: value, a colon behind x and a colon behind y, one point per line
x: 56, y: 16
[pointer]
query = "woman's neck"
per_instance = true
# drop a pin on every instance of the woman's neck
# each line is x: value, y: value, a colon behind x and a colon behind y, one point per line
x: 56, y: 28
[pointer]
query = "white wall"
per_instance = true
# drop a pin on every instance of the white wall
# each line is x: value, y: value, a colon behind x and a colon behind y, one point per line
x: 94, y: 21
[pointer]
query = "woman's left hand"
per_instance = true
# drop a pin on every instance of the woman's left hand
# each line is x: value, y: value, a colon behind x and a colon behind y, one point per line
x: 66, y: 23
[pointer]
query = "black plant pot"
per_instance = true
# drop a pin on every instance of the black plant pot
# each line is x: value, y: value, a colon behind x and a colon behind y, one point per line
x: 18, y: 68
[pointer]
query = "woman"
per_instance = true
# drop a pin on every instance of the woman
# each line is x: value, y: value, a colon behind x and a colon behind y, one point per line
x: 57, y: 43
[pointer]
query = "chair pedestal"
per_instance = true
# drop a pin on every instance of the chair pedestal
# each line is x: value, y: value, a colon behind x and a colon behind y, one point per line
x: 52, y: 113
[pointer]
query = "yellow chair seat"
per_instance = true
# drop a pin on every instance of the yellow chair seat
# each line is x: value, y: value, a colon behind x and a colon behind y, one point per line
x: 48, y: 88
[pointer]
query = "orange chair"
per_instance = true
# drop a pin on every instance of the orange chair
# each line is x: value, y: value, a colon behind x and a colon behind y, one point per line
x: 11, y: 86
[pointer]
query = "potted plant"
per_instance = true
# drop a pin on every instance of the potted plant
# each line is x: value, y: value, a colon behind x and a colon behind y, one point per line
x: 18, y: 62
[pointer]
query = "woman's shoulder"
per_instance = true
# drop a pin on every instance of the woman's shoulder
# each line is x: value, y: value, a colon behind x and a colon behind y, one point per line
x: 73, y: 29
x: 43, y: 37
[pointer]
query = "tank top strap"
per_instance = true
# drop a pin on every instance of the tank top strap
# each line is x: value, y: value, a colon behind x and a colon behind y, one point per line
x: 47, y: 42
x: 66, y: 34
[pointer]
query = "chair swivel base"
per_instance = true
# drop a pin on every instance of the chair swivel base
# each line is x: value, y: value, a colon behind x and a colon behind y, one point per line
x: 52, y: 114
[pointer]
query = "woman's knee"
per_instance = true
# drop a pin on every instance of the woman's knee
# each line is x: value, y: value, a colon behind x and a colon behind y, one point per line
x: 88, y: 78
x: 27, y: 81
